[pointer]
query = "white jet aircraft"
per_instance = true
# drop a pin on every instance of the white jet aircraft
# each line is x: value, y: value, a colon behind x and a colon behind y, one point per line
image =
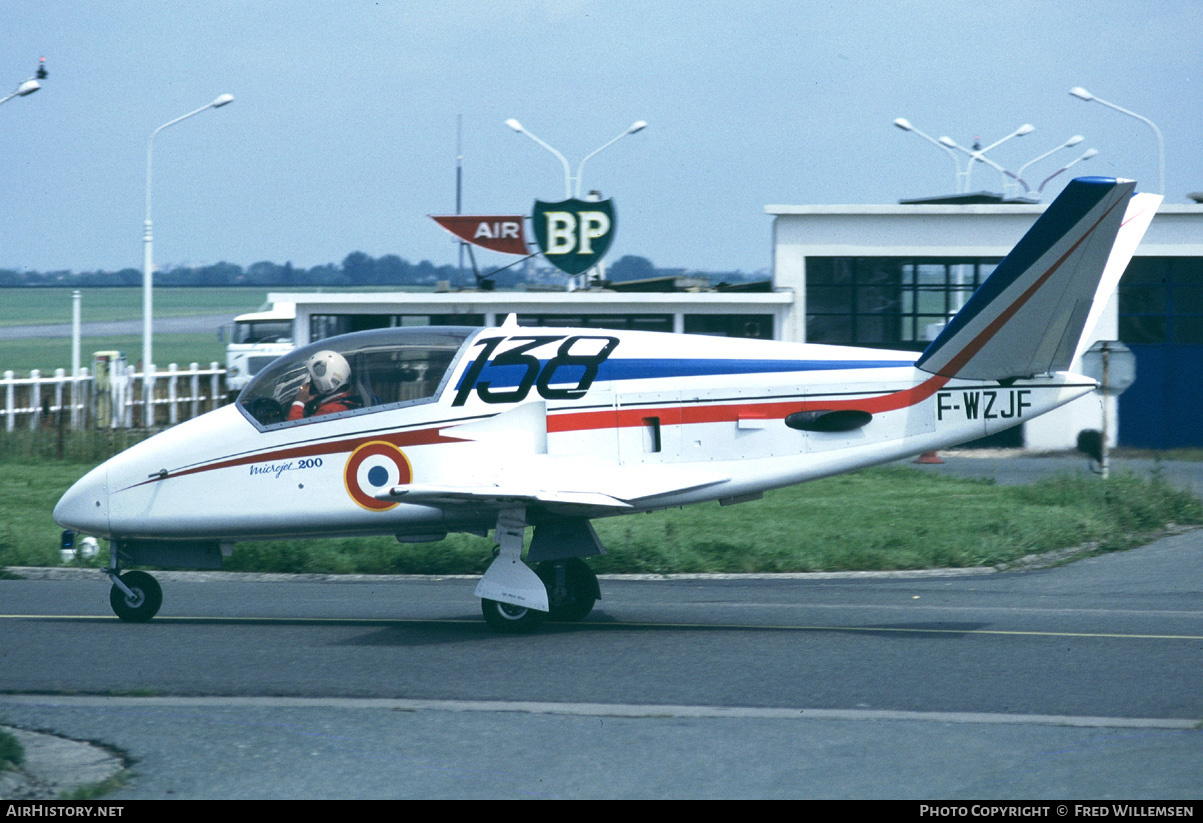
x: 419, y: 432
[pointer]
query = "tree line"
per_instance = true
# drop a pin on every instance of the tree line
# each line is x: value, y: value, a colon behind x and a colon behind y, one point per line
x: 356, y: 269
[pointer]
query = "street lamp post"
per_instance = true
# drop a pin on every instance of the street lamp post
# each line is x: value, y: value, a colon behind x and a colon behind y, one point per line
x: 1082, y: 94
x: 1089, y: 153
x: 28, y: 87
x: 148, y: 261
x: 905, y: 125
x: 1073, y: 141
x: 24, y: 90
x: 638, y: 125
x: 980, y: 154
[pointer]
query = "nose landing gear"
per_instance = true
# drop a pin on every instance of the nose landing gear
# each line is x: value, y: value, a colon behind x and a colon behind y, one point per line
x: 135, y: 596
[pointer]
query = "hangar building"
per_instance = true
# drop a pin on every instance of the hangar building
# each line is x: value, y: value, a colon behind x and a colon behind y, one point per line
x: 888, y: 275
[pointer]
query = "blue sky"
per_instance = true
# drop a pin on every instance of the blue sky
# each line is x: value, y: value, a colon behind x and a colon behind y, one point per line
x: 342, y: 135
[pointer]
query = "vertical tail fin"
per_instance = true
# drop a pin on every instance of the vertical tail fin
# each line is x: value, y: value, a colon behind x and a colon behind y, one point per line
x: 1029, y: 315
x: 1141, y: 210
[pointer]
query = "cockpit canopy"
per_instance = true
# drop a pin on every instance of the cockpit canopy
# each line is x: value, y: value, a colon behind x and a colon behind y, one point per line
x: 389, y: 368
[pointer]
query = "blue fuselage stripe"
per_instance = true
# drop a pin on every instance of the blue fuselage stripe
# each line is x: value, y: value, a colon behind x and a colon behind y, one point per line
x: 616, y: 369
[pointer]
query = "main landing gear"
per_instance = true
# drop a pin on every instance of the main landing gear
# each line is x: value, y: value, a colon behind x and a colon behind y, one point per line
x: 515, y: 599
x: 572, y: 589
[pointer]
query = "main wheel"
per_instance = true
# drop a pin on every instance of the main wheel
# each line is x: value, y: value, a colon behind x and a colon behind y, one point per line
x: 575, y: 598
x: 506, y: 617
x: 148, y: 597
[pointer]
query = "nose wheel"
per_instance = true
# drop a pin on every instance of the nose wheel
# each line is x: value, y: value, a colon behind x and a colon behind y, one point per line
x: 135, y: 597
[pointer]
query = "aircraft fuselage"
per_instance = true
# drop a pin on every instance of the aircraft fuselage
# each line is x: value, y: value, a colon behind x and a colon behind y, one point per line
x: 649, y: 420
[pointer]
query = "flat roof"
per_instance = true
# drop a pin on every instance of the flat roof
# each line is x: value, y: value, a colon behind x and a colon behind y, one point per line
x: 992, y: 208
x: 487, y: 299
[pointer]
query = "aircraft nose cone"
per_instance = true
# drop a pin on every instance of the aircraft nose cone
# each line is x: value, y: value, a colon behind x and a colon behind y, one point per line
x: 85, y: 506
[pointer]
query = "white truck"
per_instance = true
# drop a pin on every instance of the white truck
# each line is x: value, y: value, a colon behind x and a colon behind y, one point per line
x: 257, y: 339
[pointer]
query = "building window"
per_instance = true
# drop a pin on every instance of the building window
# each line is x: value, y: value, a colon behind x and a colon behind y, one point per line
x: 322, y: 326
x: 888, y: 302
x: 1161, y: 301
x: 758, y: 326
x: 637, y: 322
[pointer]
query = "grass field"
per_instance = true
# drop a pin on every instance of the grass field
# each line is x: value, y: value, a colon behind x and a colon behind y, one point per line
x: 12, y: 754
x: 30, y: 306
x: 48, y: 306
x: 23, y: 307
x: 20, y: 307
x: 50, y: 353
x: 888, y: 518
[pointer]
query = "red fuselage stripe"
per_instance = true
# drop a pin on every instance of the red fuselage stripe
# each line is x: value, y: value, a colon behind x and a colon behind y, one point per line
x: 421, y: 437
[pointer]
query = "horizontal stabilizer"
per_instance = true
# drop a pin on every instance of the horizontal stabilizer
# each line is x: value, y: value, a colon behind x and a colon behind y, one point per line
x: 1029, y: 315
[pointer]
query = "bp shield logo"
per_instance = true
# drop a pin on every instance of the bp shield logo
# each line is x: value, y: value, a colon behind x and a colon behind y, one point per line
x: 574, y: 234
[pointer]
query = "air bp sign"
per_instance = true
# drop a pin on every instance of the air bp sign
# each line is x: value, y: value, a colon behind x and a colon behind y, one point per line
x: 574, y: 234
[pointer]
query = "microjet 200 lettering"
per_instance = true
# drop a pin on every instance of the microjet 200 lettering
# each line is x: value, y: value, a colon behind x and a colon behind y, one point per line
x: 421, y: 432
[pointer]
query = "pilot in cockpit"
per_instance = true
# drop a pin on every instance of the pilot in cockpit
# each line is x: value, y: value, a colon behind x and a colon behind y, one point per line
x: 328, y: 389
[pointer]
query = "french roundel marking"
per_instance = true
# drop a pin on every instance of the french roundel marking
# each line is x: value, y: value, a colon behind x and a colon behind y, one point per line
x: 372, y: 468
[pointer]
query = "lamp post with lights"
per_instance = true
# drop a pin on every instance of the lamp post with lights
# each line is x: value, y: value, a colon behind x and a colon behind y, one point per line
x: 1073, y: 141
x: 1082, y: 94
x: 980, y: 154
x: 1089, y: 153
x: 905, y: 125
x: 148, y: 259
x: 637, y: 126
x: 28, y: 87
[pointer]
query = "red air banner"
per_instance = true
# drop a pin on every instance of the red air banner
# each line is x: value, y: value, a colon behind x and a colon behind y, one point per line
x: 499, y: 232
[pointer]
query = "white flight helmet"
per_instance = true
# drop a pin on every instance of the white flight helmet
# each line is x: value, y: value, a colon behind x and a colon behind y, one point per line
x: 328, y: 371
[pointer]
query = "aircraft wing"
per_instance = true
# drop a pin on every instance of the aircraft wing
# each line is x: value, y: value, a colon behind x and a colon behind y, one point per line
x: 606, y: 487
x: 490, y: 496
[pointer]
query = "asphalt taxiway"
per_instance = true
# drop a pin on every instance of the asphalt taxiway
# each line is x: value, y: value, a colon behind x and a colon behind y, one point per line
x: 1040, y: 681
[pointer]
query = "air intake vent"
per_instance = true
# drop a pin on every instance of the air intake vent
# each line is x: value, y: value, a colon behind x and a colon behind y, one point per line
x: 835, y: 420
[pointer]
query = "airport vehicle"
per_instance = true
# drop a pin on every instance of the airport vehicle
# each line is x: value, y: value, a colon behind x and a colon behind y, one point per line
x: 257, y: 339
x: 419, y: 432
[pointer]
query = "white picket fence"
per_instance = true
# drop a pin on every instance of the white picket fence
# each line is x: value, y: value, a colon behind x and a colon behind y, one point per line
x: 177, y: 394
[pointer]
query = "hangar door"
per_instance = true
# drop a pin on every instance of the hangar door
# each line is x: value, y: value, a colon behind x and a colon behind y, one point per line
x: 1161, y: 320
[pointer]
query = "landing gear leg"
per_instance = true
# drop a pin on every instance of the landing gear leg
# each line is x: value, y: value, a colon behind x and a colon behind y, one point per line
x: 513, y: 598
